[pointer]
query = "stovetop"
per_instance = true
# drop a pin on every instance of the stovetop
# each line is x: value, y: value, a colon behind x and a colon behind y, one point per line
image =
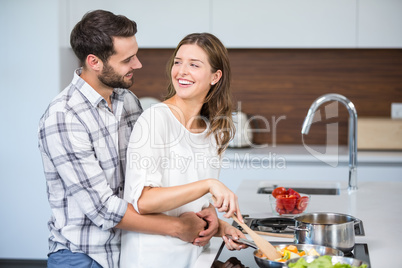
x: 281, y: 225
x: 245, y: 257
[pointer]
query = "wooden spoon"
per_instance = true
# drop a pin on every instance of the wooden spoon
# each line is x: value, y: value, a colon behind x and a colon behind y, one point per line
x: 275, y: 234
x: 263, y: 245
x: 267, y: 248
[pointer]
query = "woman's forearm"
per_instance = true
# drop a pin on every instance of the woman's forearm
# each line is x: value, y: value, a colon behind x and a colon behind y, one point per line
x: 186, y: 227
x: 161, y: 199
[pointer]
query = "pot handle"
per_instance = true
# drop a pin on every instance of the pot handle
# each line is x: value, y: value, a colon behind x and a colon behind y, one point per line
x: 298, y: 228
x: 356, y: 221
x: 243, y: 241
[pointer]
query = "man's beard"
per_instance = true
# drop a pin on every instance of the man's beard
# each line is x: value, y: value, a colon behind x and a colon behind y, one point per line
x: 111, y: 79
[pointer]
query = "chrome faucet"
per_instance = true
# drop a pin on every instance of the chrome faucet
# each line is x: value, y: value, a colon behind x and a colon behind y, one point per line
x: 352, y: 130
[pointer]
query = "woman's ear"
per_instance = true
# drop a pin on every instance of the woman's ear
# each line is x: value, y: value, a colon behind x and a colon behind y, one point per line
x: 217, y: 76
x: 94, y: 62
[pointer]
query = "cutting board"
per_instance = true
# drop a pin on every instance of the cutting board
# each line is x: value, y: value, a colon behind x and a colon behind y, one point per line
x: 377, y: 133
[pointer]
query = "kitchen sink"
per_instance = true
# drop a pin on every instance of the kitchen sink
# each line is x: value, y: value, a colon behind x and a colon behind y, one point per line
x: 305, y: 190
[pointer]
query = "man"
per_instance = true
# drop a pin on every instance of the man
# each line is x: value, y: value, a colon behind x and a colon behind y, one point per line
x: 83, y: 138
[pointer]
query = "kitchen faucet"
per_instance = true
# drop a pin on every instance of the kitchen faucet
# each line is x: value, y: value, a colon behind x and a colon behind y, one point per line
x: 352, y: 130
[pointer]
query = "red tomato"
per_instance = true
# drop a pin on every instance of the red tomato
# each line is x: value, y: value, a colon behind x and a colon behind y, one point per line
x: 278, y: 191
x: 280, y: 210
x: 279, y: 203
x: 288, y: 201
x: 293, y: 192
x: 302, y: 203
x: 295, y: 211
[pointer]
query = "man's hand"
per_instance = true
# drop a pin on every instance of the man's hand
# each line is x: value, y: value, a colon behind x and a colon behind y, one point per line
x: 209, y: 215
x: 192, y: 225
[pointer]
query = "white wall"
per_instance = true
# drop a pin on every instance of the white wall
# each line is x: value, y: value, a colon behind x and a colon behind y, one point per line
x: 29, y: 79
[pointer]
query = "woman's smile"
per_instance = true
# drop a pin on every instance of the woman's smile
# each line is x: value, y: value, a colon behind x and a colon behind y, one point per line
x: 185, y: 82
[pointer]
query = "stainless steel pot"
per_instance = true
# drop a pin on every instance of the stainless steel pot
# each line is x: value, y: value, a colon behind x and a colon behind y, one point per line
x: 333, y: 230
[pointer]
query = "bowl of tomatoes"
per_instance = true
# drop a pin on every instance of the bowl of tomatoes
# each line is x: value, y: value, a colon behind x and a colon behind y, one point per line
x: 288, y: 202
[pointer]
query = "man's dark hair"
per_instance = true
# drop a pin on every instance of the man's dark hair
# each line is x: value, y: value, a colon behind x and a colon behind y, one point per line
x: 94, y: 34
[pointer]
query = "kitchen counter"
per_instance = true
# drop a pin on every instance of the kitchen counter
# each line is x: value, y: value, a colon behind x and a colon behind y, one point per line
x: 303, y: 154
x: 376, y: 203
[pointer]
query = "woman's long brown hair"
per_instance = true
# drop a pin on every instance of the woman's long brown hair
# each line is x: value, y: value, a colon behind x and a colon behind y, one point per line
x: 217, y: 107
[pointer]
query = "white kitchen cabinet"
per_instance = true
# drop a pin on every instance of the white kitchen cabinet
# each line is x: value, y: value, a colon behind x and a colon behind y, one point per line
x: 161, y: 24
x: 254, y: 23
x: 380, y: 24
x: 301, y: 172
x: 285, y: 24
x: 294, y: 163
x: 309, y: 172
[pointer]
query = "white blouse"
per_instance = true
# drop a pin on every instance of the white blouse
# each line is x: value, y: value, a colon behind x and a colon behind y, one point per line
x: 162, y: 153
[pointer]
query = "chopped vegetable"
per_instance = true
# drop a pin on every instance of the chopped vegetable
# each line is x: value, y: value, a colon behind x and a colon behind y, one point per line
x: 290, y: 252
x: 292, y: 248
x: 278, y: 191
x: 322, y: 262
x: 289, y: 201
x: 313, y: 252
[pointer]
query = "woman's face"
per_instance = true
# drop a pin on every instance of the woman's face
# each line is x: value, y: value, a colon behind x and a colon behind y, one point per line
x: 191, y: 73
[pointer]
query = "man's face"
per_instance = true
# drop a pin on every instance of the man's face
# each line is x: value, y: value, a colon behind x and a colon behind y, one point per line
x: 118, y: 71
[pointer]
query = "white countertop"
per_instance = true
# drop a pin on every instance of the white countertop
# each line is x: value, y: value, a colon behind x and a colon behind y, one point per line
x: 377, y: 204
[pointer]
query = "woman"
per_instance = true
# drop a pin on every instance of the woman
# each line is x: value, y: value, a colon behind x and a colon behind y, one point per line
x: 173, y: 158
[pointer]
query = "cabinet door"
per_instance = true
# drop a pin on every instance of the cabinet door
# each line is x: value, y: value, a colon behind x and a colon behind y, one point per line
x: 285, y: 24
x: 161, y: 24
x: 380, y: 24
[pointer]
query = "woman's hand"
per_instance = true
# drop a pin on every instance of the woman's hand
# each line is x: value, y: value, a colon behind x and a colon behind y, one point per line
x: 227, y: 229
x: 224, y: 199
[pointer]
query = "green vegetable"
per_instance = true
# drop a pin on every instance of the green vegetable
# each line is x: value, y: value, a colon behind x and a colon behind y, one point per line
x: 321, y: 262
x: 301, y: 263
x: 287, y: 256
